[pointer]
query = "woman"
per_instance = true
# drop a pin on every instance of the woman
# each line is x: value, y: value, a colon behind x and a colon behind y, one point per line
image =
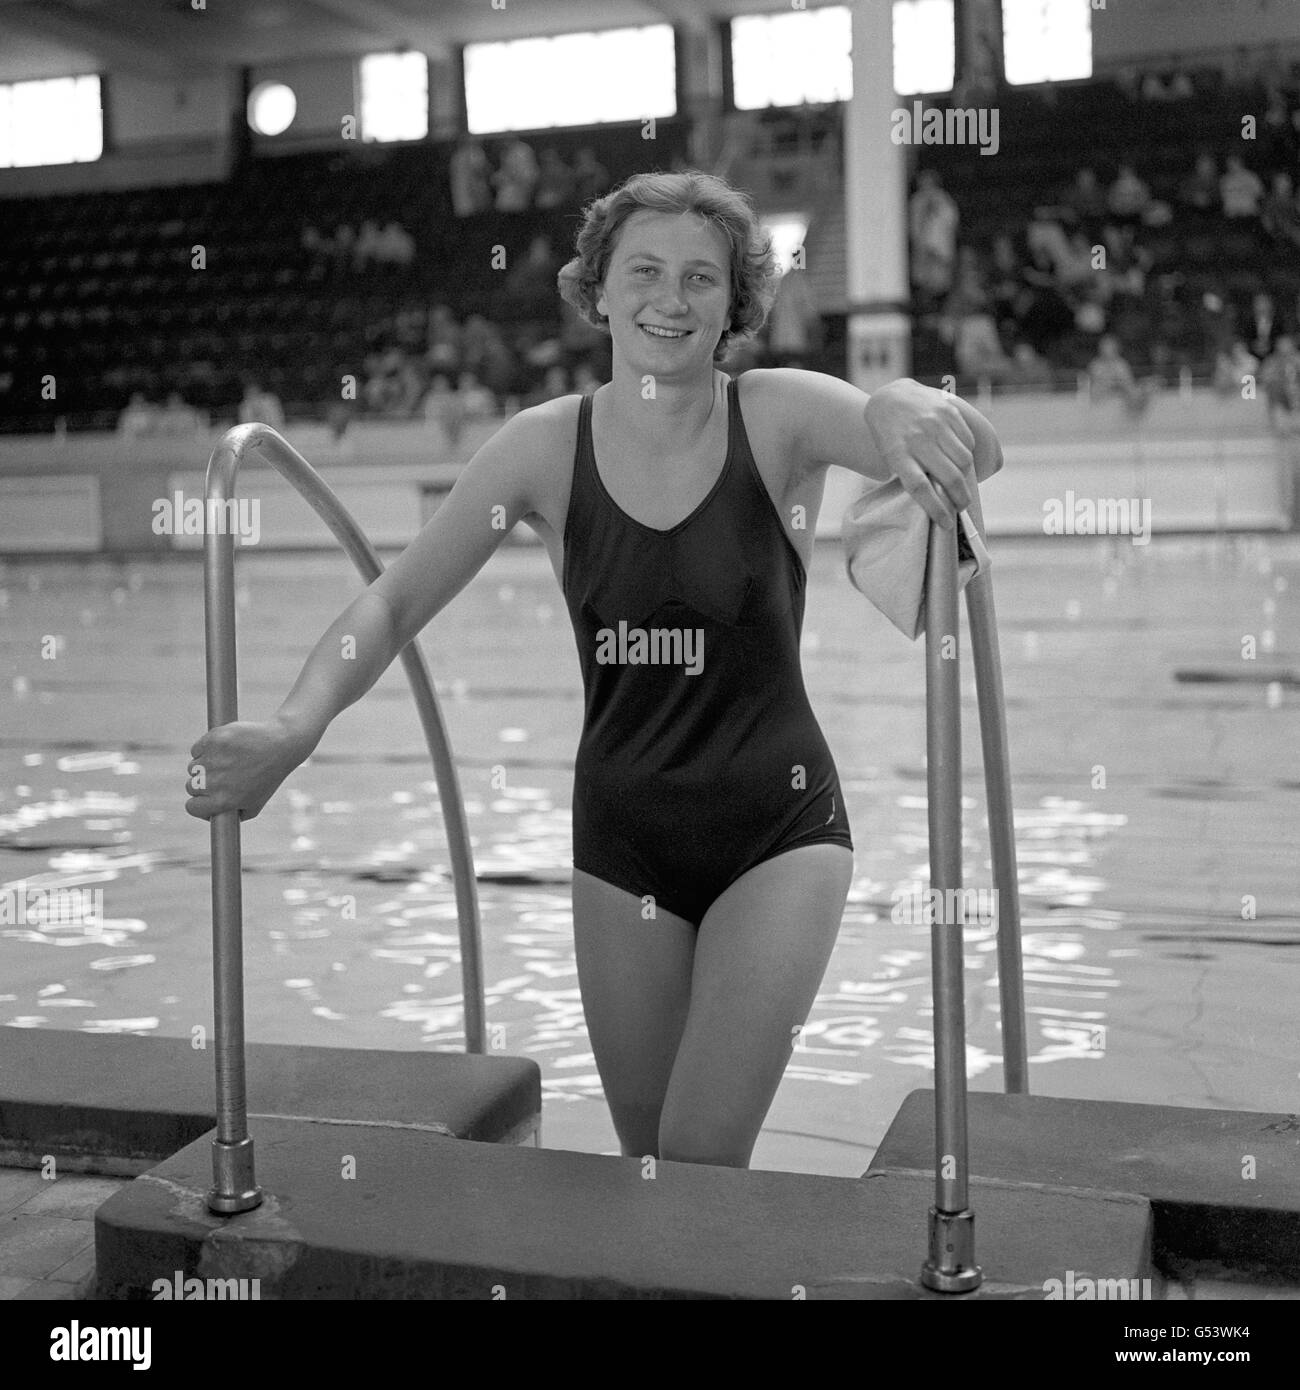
x: 712, y: 855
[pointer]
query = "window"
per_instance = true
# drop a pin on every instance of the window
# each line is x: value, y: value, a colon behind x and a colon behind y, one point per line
x: 55, y: 121
x: 1046, y: 40
x: 787, y: 230
x: 805, y: 56
x: 571, y: 79
x: 791, y: 59
x: 394, y: 96
x: 924, y: 46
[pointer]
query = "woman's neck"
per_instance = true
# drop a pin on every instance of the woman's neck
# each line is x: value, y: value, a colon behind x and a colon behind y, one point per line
x: 666, y: 415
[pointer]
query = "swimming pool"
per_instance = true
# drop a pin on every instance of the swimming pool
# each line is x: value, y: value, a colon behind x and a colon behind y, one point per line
x: 1157, y: 787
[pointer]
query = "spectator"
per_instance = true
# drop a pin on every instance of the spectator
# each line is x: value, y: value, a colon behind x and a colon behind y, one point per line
x: 470, y: 177
x: 554, y: 180
x: 534, y: 274
x: 1109, y: 374
x: 396, y: 245
x: 444, y: 408
x: 933, y: 221
x: 409, y: 327
x: 540, y: 345
x: 388, y: 383
x: 1280, y: 214
x: 1075, y: 267
x: 1045, y: 317
x: 1029, y: 369
x: 341, y: 247
x: 443, y: 345
x: 1279, y: 144
x: 1280, y: 378
x: 1090, y: 314
x: 590, y: 177
x: 1153, y: 89
x: 1263, y: 327
x: 139, y: 417
x: 476, y: 400
x: 369, y: 245
x: 1241, y: 189
x: 1085, y: 197
x: 178, y: 418
x: 1180, y: 86
x: 585, y: 380
x: 579, y: 338
x: 554, y: 384
x: 262, y: 407
x: 1217, y: 321
x: 1231, y: 368
x: 978, y: 350
x: 475, y: 336
x: 516, y: 177
x: 1007, y: 287
x: 497, y: 368
x: 1127, y: 263
x: 1046, y: 238
x: 409, y: 386
x: 1129, y: 197
x: 794, y: 325
x: 1200, y: 189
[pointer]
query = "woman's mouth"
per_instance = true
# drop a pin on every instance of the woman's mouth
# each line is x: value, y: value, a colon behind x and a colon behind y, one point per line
x: 669, y: 334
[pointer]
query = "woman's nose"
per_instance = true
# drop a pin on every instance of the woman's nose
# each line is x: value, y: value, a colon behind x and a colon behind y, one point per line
x: 671, y: 301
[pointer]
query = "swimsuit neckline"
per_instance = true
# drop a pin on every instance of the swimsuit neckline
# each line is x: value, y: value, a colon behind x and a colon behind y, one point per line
x: 695, y: 511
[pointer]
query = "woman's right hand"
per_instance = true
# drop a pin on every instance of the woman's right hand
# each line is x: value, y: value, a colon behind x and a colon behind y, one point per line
x: 239, y: 766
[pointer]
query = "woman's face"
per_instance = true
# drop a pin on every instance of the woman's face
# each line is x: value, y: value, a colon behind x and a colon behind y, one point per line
x: 668, y: 272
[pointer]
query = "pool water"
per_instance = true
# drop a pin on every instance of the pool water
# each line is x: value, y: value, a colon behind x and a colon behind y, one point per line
x: 1155, y: 761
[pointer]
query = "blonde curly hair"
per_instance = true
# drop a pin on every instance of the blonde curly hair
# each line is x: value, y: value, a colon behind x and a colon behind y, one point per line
x: 754, y: 270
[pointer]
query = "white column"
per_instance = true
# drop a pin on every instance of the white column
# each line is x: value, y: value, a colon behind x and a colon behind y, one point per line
x: 875, y: 198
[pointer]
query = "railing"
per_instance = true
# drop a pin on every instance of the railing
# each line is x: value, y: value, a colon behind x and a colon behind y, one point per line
x: 951, y: 1267
x: 234, y: 1185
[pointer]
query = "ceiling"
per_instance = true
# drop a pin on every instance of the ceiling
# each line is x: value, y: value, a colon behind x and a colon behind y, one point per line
x: 164, y: 38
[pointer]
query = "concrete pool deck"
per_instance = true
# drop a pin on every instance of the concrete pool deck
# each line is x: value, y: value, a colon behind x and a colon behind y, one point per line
x: 372, y: 1205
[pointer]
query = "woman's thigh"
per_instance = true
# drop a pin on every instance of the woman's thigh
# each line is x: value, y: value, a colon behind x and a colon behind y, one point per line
x: 760, y: 956
x: 635, y: 977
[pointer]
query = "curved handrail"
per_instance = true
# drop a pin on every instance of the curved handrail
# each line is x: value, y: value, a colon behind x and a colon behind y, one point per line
x: 234, y: 1188
x: 951, y: 1267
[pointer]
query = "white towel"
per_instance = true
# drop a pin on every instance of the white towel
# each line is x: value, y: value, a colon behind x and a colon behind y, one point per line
x: 886, y: 538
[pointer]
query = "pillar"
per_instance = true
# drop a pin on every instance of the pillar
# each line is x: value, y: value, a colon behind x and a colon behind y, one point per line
x: 875, y: 197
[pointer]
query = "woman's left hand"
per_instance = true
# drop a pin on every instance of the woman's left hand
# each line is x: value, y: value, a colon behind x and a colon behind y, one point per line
x: 927, y: 444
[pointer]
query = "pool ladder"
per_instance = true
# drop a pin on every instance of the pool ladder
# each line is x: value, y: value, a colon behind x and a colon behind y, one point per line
x: 950, y: 1266
x: 234, y: 1187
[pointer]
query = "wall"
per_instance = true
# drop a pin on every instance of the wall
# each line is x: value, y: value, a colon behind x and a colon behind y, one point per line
x: 158, y: 132
x: 327, y: 90
x: 1131, y: 30
x: 1203, y: 463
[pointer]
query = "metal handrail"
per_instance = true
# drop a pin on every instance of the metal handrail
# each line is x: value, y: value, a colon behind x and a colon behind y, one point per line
x: 950, y: 1266
x: 234, y: 1187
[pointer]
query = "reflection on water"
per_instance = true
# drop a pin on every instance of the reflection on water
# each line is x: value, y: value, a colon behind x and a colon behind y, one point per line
x: 1155, y: 913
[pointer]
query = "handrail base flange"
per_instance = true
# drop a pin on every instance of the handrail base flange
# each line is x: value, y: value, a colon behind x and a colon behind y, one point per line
x: 951, y: 1267
x: 233, y: 1186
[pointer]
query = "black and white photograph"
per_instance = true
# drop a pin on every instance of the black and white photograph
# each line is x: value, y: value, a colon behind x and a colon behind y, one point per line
x: 650, y: 651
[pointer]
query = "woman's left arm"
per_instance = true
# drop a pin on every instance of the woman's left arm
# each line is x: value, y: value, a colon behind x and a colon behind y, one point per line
x: 925, y: 438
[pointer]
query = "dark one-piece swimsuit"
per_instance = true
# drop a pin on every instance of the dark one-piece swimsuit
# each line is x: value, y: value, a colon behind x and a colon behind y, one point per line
x: 700, y: 756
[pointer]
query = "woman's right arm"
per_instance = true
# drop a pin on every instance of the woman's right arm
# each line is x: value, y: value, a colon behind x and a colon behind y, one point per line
x: 245, y: 762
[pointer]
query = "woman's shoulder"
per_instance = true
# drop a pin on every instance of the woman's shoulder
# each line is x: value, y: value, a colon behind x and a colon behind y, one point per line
x: 549, y: 428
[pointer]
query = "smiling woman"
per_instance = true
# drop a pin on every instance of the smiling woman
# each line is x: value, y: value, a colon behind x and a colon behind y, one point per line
x: 711, y: 846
